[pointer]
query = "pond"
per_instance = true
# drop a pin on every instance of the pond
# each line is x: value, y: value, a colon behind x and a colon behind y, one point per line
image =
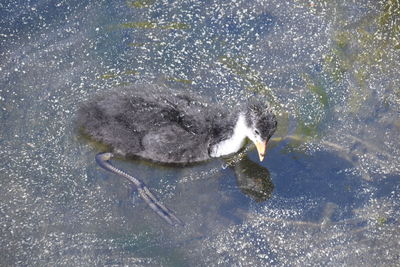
x: 328, y: 192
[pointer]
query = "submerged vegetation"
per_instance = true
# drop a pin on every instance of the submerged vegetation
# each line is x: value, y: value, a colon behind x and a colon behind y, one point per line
x: 360, y: 51
x: 251, y: 79
x: 118, y: 74
x: 140, y: 3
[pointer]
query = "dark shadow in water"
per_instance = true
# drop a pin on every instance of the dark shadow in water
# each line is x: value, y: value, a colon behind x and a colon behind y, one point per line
x: 253, y: 179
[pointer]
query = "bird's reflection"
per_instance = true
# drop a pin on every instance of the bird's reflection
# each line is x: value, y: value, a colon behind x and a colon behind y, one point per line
x: 253, y: 179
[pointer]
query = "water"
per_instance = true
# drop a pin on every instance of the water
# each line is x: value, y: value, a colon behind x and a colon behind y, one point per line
x: 326, y: 194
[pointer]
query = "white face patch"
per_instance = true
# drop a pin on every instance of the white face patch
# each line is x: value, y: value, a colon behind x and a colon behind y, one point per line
x: 233, y: 144
x: 253, y: 136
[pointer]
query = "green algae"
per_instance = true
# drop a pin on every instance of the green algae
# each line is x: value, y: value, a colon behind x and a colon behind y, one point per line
x: 115, y: 75
x: 139, y: 25
x: 184, y: 81
x: 252, y: 80
x: 130, y: 72
x: 107, y: 76
x: 358, y: 51
x: 381, y: 221
x: 137, y: 44
x: 140, y: 3
x: 316, y: 87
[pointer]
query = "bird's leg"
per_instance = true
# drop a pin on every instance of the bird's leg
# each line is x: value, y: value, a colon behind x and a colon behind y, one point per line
x: 103, y: 159
x: 132, y: 194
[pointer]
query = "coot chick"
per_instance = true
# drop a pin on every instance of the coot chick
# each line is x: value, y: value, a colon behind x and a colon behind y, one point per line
x: 168, y: 126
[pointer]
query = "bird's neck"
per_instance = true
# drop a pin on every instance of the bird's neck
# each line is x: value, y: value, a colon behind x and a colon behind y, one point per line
x: 234, y: 142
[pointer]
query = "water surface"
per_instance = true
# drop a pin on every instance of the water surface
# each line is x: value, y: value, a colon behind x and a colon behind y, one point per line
x: 326, y: 194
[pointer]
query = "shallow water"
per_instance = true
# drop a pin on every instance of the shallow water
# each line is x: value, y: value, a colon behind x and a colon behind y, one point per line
x: 326, y: 194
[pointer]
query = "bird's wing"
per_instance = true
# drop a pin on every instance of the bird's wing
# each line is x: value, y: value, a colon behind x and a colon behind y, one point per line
x: 172, y: 143
x: 115, y: 130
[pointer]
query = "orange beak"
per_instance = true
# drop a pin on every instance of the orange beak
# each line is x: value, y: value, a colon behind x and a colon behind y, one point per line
x: 261, y: 148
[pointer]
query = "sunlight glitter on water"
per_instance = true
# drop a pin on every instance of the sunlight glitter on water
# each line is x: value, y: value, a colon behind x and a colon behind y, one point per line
x: 330, y: 69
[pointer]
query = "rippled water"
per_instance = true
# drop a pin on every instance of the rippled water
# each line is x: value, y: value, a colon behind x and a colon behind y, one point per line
x: 327, y: 193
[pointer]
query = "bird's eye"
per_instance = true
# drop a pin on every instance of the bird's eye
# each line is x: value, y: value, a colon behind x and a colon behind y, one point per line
x: 257, y: 132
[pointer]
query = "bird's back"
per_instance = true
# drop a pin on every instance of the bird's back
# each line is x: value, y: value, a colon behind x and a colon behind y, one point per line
x: 153, y: 123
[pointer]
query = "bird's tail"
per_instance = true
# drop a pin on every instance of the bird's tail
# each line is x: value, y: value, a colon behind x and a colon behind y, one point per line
x: 103, y: 159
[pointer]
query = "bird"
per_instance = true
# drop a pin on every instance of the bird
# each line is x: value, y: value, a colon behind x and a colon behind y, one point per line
x: 169, y: 126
